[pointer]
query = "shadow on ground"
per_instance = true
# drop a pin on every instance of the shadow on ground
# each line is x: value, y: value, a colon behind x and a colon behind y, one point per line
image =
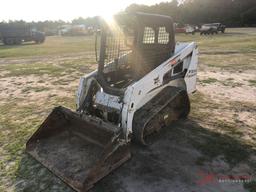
x: 178, y: 159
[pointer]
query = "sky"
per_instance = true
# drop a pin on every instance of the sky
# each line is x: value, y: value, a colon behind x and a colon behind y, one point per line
x: 40, y: 10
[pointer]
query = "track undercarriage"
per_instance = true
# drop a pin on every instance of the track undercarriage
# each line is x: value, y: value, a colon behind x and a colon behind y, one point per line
x: 169, y: 105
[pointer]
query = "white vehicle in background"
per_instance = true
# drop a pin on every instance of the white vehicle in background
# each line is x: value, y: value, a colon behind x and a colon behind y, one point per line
x: 190, y: 29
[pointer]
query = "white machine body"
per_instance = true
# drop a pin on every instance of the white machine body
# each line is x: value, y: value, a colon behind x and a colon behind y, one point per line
x: 139, y: 93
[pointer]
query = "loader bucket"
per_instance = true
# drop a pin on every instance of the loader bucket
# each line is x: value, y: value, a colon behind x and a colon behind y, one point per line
x: 79, y: 150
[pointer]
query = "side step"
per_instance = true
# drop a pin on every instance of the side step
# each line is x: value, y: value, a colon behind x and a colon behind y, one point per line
x: 79, y: 150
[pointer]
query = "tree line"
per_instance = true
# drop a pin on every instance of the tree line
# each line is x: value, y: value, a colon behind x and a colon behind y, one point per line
x: 233, y: 13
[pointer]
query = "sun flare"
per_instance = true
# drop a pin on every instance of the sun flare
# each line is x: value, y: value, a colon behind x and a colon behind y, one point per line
x: 108, y: 17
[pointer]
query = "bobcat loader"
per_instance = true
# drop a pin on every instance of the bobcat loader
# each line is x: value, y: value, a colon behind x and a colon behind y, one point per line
x: 141, y: 84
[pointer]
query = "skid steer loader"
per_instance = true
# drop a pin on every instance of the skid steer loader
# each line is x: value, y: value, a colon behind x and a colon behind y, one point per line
x: 141, y: 84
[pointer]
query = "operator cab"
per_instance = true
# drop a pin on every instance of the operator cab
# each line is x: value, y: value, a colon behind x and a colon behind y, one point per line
x: 130, y: 47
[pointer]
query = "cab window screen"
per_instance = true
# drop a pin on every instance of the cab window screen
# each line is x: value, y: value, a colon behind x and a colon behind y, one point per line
x: 149, y: 35
x: 163, y: 36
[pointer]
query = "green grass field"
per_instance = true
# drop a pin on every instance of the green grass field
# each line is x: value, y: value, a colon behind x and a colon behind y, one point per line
x: 53, y: 45
x: 235, y: 40
x: 35, y: 78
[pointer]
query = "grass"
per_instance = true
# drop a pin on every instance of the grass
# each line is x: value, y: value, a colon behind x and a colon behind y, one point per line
x: 35, y: 89
x: 16, y: 70
x: 235, y: 62
x: 225, y: 137
x: 209, y: 80
x: 216, y: 144
x: 12, y: 139
x: 39, y: 69
x: 234, y: 40
x: 234, y: 51
x: 200, y: 101
x: 252, y: 82
x: 20, y: 117
x: 17, y: 124
x: 229, y: 82
x: 53, y: 45
x: 232, y: 84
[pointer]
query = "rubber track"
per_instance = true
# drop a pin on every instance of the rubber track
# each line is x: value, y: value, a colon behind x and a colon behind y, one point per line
x: 155, y: 107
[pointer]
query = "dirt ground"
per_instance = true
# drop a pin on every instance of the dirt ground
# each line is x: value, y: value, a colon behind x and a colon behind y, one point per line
x: 212, y: 150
